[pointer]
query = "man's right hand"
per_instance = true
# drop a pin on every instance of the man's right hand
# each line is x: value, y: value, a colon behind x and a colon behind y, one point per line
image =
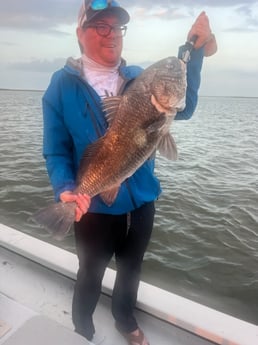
x: 205, y: 38
x: 82, y: 201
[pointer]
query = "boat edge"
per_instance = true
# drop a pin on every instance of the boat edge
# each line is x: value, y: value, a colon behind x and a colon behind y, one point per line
x: 196, y: 318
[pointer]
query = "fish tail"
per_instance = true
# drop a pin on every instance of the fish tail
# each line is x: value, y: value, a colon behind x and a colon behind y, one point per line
x: 57, y: 218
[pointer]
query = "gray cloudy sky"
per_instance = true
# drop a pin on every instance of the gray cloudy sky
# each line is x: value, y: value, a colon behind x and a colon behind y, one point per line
x: 36, y: 37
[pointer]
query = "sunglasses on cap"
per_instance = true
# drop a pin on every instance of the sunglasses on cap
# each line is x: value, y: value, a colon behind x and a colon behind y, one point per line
x: 98, y: 5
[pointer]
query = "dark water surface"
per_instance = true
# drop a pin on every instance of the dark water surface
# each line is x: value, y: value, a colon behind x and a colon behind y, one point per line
x: 205, y: 240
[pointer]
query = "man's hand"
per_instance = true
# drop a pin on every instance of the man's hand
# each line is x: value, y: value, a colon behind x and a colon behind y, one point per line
x: 82, y: 201
x: 201, y: 28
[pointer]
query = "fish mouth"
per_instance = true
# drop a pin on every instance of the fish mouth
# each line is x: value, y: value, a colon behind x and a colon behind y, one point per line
x: 162, y: 106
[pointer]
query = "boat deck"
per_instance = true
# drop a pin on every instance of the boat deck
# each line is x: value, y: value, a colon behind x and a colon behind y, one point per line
x: 43, y: 295
x: 23, y: 326
x: 36, y: 288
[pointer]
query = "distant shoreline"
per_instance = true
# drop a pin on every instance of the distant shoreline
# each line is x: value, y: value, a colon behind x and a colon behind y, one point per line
x: 35, y: 90
x: 30, y: 90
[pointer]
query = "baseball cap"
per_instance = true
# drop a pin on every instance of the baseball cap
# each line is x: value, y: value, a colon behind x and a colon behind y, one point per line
x: 93, y: 8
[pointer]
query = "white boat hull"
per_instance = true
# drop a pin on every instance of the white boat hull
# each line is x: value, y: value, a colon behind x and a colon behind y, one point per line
x: 41, y: 277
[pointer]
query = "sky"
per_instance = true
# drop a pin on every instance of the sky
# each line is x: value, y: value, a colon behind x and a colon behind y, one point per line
x: 36, y: 38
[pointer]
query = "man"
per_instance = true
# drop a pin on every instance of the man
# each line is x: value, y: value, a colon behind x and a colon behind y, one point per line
x: 73, y: 119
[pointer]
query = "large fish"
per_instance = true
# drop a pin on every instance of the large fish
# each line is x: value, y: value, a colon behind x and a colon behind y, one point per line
x: 139, y: 123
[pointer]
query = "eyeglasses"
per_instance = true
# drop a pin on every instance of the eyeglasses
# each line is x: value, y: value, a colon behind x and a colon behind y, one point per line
x: 97, y: 5
x: 104, y: 29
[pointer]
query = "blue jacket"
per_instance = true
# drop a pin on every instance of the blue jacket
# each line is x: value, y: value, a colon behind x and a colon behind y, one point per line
x: 73, y: 119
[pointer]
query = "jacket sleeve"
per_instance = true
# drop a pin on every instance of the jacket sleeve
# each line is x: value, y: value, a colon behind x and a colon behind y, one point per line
x: 57, y: 143
x: 194, y: 67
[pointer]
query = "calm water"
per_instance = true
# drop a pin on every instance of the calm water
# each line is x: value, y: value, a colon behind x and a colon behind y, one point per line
x: 205, y: 240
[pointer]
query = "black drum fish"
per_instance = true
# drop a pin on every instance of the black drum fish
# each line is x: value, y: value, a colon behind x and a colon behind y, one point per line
x: 139, y: 122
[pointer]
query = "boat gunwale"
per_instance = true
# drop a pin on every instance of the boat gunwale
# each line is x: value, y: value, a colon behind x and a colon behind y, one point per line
x: 196, y: 318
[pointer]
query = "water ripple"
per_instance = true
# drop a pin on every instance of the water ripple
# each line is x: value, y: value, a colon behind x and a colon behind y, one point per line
x: 205, y: 239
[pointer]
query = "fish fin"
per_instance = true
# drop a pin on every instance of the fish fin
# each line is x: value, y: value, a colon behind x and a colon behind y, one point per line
x: 110, y: 106
x: 167, y: 147
x: 57, y: 218
x: 109, y: 196
x: 155, y: 125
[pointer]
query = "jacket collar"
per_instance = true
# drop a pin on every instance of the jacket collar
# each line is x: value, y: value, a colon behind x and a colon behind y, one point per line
x: 75, y: 66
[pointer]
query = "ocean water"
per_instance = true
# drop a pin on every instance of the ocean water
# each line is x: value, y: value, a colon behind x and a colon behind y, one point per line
x: 205, y: 238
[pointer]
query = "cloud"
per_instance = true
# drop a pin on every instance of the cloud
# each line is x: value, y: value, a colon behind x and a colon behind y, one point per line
x: 36, y: 14
x: 49, y: 14
x: 241, y: 29
x: 7, y: 44
x: 247, y: 20
x: 147, y: 4
x: 37, y: 65
x: 167, y: 13
x: 250, y: 19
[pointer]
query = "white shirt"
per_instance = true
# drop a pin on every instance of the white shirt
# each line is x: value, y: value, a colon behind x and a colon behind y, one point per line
x: 105, y: 80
